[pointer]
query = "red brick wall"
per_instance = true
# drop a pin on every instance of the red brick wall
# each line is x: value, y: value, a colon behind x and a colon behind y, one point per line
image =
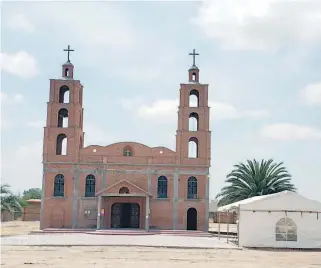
x: 225, y: 217
x: 31, y: 212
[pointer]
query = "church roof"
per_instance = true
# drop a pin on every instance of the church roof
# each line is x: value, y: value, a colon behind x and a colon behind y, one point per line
x: 68, y: 63
x: 194, y: 67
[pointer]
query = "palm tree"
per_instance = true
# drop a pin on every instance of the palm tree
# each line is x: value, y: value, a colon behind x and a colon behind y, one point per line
x: 253, y: 179
x: 9, y: 202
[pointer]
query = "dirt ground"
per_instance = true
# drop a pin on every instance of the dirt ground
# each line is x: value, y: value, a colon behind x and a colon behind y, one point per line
x: 140, y: 257
x: 99, y: 257
x: 18, y: 227
x: 24, y: 227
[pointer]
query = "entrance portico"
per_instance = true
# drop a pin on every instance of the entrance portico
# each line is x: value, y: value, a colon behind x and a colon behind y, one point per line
x: 123, y: 205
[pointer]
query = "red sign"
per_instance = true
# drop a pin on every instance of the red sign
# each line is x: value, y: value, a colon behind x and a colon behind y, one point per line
x: 102, y: 212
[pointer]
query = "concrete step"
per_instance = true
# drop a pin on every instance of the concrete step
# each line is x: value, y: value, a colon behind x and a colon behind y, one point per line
x: 120, y: 232
x: 124, y: 232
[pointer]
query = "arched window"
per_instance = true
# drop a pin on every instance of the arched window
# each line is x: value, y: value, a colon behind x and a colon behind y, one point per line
x: 192, y: 188
x: 162, y: 187
x: 61, y: 145
x: 193, y: 148
x: 124, y: 190
x: 194, y: 98
x: 64, y: 94
x: 66, y: 72
x: 194, y: 77
x: 63, y: 118
x: 193, y: 122
x: 286, y: 230
x: 59, y: 185
x: 90, y: 186
x: 127, y: 151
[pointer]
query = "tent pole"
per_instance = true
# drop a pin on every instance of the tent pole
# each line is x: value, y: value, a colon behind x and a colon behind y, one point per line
x: 237, y: 226
x: 228, y: 225
x: 219, y: 225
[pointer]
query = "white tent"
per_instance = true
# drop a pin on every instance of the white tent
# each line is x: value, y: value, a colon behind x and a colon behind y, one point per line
x: 281, y: 220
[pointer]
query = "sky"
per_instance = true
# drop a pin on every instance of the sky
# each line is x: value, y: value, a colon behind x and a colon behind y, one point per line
x: 261, y: 59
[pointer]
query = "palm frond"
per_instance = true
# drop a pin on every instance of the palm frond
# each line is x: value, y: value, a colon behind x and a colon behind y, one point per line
x: 255, y: 178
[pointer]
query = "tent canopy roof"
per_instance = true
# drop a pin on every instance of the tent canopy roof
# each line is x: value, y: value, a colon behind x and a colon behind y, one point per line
x: 286, y: 200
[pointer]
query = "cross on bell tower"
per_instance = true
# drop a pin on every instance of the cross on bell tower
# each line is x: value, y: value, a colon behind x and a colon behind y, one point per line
x: 68, y: 67
x: 193, y: 72
x: 194, y: 54
x: 68, y: 50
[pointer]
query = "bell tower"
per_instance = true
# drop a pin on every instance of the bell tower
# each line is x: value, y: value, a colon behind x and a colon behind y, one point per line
x: 193, y: 137
x: 63, y: 133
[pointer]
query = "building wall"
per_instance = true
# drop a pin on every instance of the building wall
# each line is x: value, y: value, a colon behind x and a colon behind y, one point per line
x: 59, y: 211
x: 31, y: 212
x: 225, y: 217
x: 7, y: 216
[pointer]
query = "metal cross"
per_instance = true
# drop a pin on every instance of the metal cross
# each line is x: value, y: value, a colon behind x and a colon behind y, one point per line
x: 194, y: 54
x: 68, y: 49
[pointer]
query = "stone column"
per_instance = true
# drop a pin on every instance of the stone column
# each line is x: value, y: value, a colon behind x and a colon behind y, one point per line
x: 149, y: 180
x: 175, y: 199
x: 42, y: 215
x: 104, y: 178
x: 207, y: 197
x: 75, y: 211
x: 98, y: 213
x: 147, y: 214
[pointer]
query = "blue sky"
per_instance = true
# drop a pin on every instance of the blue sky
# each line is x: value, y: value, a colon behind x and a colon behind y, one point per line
x: 263, y: 73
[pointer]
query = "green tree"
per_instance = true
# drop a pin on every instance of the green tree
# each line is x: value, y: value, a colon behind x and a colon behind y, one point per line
x: 9, y: 201
x: 255, y: 178
x: 32, y: 193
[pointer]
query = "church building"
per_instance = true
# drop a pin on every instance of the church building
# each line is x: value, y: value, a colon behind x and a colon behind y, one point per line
x: 125, y: 184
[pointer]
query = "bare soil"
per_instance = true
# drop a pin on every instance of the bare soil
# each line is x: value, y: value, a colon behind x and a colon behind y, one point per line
x: 138, y: 257
x: 18, y: 227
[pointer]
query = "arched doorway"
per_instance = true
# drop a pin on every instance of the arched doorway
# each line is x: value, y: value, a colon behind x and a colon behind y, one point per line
x: 191, y: 219
x: 125, y: 215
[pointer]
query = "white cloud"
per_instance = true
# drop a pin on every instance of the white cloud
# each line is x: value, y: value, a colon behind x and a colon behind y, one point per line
x: 311, y: 94
x: 94, y: 135
x: 105, y: 24
x: 28, y: 173
x: 223, y: 110
x: 158, y: 109
x: 167, y: 108
x: 124, y: 46
x: 5, y: 123
x: 20, y: 64
x: 12, y: 99
x: 20, y: 22
x: 260, y: 25
x: 285, y: 131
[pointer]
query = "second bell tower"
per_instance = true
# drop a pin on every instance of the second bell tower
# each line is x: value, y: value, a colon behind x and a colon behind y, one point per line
x: 63, y: 134
x: 193, y: 137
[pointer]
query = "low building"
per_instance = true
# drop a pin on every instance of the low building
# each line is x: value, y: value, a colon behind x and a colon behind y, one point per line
x: 212, y: 208
x: 281, y: 220
x: 7, y: 216
x: 31, y: 212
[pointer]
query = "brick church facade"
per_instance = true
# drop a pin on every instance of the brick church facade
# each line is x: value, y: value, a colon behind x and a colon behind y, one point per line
x: 125, y: 184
